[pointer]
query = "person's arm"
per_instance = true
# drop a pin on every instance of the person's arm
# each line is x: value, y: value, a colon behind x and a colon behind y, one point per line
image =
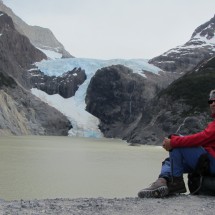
x: 166, y: 144
x: 198, y: 139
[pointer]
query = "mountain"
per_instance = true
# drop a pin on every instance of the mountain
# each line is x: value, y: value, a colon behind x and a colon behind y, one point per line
x: 181, y: 108
x: 17, y: 53
x: 42, y: 38
x: 199, y: 48
x: 128, y: 99
x: 85, y: 123
x: 22, y: 113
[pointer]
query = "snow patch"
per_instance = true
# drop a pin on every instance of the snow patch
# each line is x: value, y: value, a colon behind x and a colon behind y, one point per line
x: 207, y: 41
x: 51, y: 54
x: 84, y: 124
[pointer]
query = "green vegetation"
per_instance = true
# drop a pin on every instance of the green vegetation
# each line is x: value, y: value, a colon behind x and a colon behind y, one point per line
x: 193, y: 88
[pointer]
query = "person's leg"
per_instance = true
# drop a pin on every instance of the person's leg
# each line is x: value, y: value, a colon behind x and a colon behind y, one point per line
x: 170, y: 180
x: 166, y: 169
x: 158, y: 188
x: 184, y: 160
x: 175, y: 184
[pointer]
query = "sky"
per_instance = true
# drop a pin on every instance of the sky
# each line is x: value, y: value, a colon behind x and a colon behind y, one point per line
x: 108, y: 29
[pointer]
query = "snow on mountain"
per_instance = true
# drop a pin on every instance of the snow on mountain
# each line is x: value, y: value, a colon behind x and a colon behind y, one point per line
x: 196, y: 42
x: 50, y: 53
x: 203, y: 36
x: 210, y: 41
x: 205, y: 41
x: 84, y: 124
x: 184, y: 58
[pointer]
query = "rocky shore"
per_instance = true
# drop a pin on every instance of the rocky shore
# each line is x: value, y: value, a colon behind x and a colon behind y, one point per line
x: 177, y: 205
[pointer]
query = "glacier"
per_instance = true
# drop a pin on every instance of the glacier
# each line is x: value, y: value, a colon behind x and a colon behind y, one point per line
x: 84, y: 124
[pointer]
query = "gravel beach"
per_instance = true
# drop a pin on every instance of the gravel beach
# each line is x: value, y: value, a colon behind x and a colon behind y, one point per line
x: 182, y: 204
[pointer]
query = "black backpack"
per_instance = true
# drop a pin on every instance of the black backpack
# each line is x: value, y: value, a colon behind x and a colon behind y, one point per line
x: 201, y: 181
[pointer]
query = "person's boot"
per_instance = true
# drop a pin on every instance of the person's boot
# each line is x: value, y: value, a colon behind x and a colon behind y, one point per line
x: 176, y: 185
x: 158, y: 189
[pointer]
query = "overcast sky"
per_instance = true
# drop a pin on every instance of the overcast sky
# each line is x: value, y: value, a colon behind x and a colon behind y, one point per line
x: 107, y: 29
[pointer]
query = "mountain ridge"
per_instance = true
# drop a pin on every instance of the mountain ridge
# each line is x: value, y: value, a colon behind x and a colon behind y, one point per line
x: 40, y: 37
x: 184, y: 58
x: 21, y: 113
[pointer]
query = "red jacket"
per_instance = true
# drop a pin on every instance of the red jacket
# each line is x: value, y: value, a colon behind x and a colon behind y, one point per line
x: 205, y: 138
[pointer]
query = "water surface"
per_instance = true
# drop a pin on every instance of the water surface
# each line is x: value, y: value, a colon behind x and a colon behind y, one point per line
x: 69, y: 167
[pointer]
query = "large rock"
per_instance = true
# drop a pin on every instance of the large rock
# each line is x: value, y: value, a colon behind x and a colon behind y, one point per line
x: 65, y: 85
x: 117, y: 96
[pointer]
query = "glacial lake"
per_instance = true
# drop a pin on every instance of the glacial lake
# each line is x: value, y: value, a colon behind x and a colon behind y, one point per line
x: 38, y: 167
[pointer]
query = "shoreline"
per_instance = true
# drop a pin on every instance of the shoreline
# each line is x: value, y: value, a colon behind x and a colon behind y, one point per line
x: 177, y: 205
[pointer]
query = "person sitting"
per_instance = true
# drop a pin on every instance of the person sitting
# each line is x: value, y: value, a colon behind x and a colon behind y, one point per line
x: 184, y: 154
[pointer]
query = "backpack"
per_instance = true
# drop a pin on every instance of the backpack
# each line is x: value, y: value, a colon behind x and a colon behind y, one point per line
x: 200, y: 181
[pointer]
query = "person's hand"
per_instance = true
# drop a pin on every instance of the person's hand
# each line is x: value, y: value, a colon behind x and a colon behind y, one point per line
x: 166, y: 144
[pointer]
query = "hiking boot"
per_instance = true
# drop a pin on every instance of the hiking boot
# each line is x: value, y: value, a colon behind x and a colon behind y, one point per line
x: 158, y: 189
x: 177, y: 185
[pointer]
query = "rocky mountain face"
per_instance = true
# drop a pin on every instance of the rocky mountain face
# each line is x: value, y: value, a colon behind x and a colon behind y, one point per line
x: 184, y: 58
x: 40, y: 37
x: 118, y: 97
x: 17, y: 54
x: 65, y: 85
x: 20, y: 111
x: 181, y: 108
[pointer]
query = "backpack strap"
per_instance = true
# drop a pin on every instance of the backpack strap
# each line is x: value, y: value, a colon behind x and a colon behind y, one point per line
x: 195, y: 178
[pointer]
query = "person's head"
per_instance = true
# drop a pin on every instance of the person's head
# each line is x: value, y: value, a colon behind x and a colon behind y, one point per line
x: 211, y: 101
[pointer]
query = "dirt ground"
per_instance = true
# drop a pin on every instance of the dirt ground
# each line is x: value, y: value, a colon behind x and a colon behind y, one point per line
x: 182, y: 204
